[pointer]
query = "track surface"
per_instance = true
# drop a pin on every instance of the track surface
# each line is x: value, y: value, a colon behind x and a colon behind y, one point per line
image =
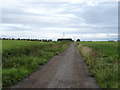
x: 66, y: 70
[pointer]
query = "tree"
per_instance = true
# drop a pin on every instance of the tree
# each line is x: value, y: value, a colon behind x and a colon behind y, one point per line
x: 18, y: 39
x: 78, y: 40
x: 13, y: 39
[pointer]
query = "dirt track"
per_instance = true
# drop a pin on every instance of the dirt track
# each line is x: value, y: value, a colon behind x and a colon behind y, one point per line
x: 66, y: 70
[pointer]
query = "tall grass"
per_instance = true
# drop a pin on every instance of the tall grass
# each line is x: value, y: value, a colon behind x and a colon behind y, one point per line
x: 102, y: 60
x: 20, y: 60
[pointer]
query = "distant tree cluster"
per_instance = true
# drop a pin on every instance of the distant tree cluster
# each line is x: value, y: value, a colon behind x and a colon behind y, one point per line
x: 50, y: 40
x: 78, y: 40
x: 42, y: 40
x: 64, y: 39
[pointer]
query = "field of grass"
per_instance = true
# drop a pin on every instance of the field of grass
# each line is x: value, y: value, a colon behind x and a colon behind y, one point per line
x: 21, y: 58
x: 102, y: 60
x: 17, y: 43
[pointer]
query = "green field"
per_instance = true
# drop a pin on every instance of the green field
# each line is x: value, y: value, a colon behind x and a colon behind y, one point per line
x: 17, y: 43
x: 102, y: 60
x: 21, y: 58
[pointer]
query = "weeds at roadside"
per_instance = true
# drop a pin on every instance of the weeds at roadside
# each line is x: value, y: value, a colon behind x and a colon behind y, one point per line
x: 20, y: 62
x: 102, y: 61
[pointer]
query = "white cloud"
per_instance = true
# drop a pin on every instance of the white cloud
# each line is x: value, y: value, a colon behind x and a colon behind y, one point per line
x: 43, y: 10
x: 14, y: 25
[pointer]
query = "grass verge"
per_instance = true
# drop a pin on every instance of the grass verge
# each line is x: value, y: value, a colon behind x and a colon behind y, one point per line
x: 102, y: 61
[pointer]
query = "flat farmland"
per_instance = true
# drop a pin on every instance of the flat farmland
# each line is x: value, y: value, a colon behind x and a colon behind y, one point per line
x: 7, y: 44
x: 21, y: 58
x: 35, y: 64
x: 102, y: 61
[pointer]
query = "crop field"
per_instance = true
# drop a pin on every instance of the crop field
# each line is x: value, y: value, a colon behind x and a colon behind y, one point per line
x: 21, y: 58
x: 17, y: 43
x: 102, y: 61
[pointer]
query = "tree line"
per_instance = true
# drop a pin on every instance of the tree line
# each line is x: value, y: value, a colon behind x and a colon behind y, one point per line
x: 44, y: 40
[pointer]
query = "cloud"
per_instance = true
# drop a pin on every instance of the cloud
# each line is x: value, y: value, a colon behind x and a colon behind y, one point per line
x: 104, y: 13
x: 41, y: 19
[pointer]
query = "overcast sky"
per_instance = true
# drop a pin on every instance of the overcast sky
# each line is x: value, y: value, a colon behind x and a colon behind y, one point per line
x: 49, y: 19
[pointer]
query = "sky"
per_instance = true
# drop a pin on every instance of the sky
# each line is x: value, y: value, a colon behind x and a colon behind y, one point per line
x: 49, y: 19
